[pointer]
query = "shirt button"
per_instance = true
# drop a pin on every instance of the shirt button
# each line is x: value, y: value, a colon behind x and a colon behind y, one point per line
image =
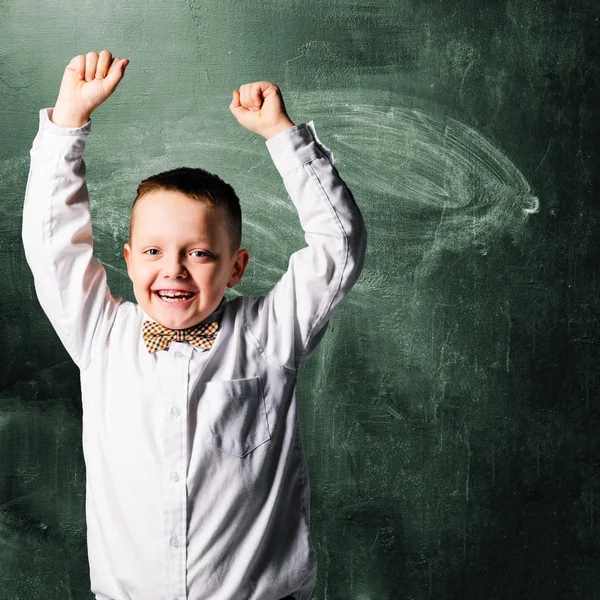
x: 174, y: 476
x: 174, y: 541
x: 175, y: 411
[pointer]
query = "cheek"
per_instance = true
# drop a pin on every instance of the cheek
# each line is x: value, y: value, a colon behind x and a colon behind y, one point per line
x: 212, y: 277
x: 143, y: 274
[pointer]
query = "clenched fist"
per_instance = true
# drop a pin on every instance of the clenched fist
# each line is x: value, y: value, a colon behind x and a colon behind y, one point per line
x: 87, y: 82
x: 259, y: 107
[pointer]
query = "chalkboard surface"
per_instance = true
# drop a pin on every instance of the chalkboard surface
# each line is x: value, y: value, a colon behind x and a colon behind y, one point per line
x: 451, y: 415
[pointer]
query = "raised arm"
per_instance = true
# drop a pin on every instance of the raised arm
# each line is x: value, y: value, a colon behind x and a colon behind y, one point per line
x: 57, y: 231
x: 290, y: 320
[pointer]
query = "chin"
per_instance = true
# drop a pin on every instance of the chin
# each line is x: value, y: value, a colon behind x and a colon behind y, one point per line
x: 176, y: 321
x: 162, y: 316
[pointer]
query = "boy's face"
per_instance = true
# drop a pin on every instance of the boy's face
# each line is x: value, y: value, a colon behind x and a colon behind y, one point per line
x: 179, y: 244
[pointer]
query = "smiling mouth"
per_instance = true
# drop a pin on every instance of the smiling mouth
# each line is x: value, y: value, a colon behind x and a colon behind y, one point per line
x: 175, y: 297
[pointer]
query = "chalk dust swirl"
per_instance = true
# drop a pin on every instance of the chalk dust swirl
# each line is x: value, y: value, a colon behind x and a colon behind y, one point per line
x: 426, y: 181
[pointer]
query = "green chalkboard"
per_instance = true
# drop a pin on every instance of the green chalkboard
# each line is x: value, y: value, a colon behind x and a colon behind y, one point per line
x: 451, y: 415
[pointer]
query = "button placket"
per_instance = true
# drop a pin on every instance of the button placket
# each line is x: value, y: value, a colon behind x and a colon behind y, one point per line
x: 175, y: 460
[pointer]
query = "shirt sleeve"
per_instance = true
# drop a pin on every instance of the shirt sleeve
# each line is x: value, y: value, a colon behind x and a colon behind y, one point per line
x: 70, y: 282
x: 289, y: 321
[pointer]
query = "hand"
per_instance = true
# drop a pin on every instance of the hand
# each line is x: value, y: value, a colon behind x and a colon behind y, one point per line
x: 259, y: 107
x: 87, y: 82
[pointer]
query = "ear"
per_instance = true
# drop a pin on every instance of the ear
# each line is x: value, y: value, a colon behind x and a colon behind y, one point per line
x: 127, y: 256
x: 239, y: 266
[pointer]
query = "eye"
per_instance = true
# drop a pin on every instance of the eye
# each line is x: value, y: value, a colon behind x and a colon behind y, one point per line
x: 151, y: 251
x: 198, y: 254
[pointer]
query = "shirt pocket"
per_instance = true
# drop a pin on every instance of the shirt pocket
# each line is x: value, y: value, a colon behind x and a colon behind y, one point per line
x: 236, y: 415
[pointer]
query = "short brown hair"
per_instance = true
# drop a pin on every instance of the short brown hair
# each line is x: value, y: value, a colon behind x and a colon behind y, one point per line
x: 200, y: 185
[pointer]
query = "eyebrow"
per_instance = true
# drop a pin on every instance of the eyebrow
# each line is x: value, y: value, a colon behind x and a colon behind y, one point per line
x: 158, y: 238
x: 204, y: 244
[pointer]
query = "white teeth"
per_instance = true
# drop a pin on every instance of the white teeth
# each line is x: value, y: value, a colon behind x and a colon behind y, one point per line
x: 176, y: 295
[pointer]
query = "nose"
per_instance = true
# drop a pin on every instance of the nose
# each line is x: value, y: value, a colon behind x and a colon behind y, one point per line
x: 174, y: 267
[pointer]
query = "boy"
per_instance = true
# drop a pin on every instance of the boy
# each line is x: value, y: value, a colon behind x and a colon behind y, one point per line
x: 196, y: 480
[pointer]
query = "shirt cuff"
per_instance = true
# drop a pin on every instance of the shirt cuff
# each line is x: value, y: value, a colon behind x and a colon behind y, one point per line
x: 296, y: 146
x: 47, y: 125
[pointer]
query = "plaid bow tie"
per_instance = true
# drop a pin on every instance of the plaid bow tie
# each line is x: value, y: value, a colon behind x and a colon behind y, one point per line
x: 157, y: 337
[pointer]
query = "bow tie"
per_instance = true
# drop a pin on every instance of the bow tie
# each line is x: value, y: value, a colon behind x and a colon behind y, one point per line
x: 157, y: 337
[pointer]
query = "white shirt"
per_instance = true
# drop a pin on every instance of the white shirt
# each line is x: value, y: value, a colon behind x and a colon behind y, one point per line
x: 196, y: 477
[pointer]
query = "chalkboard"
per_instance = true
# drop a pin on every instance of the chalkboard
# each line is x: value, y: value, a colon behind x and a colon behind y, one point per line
x: 450, y: 417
